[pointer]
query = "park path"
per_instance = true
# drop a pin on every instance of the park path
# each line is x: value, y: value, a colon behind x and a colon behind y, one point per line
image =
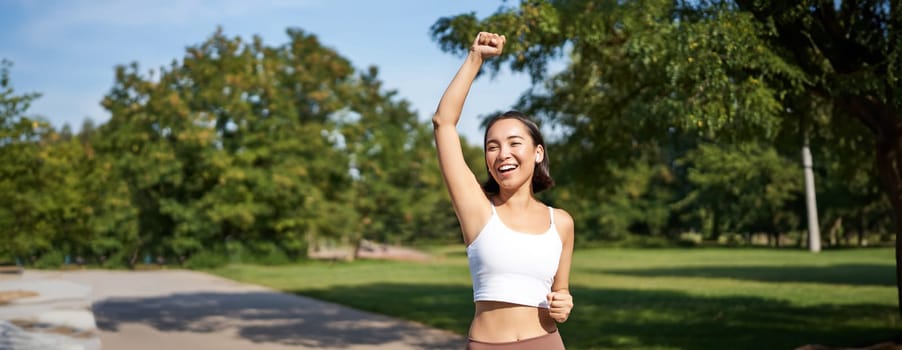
x: 179, y: 309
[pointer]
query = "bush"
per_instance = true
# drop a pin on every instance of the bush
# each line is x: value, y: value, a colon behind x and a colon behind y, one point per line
x: 207, y: 259
x: 270, y: 254
x: 690, y: 239
x: 50, y: 260
x: 731, y: 239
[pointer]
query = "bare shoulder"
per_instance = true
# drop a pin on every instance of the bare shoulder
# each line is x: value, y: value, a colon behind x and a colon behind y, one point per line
x: 563, y: 222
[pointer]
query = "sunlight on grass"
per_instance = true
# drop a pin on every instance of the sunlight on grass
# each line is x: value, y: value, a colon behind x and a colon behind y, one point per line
x: 641, y: 299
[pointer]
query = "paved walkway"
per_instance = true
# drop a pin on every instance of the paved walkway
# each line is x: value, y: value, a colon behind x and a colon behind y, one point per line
x: 178, y: 309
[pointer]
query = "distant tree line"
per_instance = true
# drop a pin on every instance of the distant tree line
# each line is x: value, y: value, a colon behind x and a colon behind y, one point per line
x: 236, y: 151
x: 667, y: 131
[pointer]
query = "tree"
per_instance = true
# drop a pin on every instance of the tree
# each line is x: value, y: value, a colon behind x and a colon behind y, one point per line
x: 851, y: 53
x: 244, y: 147
x: 731, y: 71
x: 44, y: 207
x: 726, y: 180
x: 232, y: 148
x: 854, y: 202
x: 399, y: 194
x: 19, y: 157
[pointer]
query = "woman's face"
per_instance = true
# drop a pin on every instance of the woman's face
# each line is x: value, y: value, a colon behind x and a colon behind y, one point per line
x: 511, y: 154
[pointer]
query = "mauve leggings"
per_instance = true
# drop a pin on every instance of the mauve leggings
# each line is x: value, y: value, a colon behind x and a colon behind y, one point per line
x: 550, y: 341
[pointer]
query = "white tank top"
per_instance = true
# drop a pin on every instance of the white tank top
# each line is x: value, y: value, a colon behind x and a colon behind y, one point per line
x: 511, y: 266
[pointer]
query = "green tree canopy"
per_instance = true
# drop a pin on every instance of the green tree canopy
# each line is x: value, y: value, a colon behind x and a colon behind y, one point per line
x: 242, y: 146
x: 729, y: 71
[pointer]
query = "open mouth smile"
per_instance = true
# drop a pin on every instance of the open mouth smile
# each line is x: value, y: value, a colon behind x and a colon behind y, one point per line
x: 506, y: 168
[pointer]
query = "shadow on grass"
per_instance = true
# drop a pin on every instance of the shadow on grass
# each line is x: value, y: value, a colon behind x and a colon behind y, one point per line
x: 448, y: 307
x: 268, y: 317
x: 628, y: 319
x: 848, y: 274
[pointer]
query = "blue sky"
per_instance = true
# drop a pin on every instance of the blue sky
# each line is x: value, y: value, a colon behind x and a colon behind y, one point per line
x: 67, y: 49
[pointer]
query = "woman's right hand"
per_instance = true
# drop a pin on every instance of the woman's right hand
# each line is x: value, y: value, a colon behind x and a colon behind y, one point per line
x: 488, y: 44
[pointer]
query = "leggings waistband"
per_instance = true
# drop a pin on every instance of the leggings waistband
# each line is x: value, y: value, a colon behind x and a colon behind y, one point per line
x: 550, y: 341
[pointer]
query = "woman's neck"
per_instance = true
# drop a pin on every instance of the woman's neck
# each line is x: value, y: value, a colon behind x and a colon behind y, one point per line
x: 520, y: 199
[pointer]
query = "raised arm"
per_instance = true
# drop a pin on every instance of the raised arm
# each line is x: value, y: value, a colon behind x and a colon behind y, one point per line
x: 472, y: 208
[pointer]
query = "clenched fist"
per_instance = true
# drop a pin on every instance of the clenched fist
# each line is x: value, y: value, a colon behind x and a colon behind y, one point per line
x: 488, y: 44
x: 559, y: 305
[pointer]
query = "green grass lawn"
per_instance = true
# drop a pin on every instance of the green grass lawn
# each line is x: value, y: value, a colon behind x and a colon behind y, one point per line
x: 641, y: 299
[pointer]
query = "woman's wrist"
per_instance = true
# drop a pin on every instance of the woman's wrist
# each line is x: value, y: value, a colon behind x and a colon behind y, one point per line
x: 474, y: 57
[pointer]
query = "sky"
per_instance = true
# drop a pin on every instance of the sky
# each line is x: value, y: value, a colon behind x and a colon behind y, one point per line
x: 67, y: 49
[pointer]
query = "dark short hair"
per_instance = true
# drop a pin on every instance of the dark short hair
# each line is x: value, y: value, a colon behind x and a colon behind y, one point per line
x: 541, y: 178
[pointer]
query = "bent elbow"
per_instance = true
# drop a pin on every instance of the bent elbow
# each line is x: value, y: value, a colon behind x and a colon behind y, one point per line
x: 437, y: 121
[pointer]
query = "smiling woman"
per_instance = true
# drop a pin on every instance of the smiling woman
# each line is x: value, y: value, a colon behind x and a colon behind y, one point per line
x: 519, y: 250
x: 541, y: 177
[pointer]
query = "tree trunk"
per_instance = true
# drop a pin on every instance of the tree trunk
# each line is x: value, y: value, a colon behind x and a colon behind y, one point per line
x: 889, y: 163
x: 814, y: 231
x: 837, y: 225
x: 860, y: 228
x: 133, y: 260
x: 885, y: 122
x: 715, y: 225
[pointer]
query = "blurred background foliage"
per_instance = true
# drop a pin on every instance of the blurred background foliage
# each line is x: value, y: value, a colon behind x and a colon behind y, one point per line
x: 675, y: 122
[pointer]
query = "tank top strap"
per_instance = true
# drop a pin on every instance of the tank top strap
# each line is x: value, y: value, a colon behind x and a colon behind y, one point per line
x: 550, y: 212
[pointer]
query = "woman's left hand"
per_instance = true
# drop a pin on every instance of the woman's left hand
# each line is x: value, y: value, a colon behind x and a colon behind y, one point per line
x: 559, y: 305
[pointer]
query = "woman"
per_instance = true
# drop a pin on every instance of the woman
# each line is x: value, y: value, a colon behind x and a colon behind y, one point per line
x: 519, y: 249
